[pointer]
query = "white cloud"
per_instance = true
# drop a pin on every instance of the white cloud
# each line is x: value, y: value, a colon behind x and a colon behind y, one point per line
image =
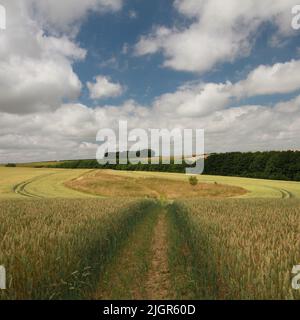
x: 29, y: 85
x: 104, y: 88
x: 64, y: 16
x: 206, y: 98
x: 218, y: 33
x: 195, y: 100
x: 289, y: 107
x: 278, y: 78
x: 36, y: 59
x: 70, y: 131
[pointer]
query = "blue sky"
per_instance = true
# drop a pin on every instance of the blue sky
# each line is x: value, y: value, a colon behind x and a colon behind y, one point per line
x: 105, y: 37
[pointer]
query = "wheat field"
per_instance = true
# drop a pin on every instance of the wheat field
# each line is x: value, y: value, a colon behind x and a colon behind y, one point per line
x: 56, y: 249
x: 29, y: 183
x: 241, y: 249
x: 60, y: 229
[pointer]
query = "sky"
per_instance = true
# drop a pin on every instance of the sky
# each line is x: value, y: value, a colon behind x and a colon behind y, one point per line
x: 70, y: 68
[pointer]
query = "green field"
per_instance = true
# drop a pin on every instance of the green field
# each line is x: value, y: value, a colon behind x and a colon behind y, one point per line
x: 103, y: 234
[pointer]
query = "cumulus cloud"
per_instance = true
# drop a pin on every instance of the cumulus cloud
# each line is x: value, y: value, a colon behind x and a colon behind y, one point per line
x: 104, y: 88
x: 195, y: 100
x: 278, y: 78
x: 206, y: 98
x: 69, y: 132
x: 28, y: 85
x: 64, y: 16
x: 217, y: 32
x: 36, y: 60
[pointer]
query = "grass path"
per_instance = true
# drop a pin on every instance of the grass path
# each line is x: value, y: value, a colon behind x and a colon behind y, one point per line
x: 158, y: 284
x: 141, y: 268
x: 125, y: 276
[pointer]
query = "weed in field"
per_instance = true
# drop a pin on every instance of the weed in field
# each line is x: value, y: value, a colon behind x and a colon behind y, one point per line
x: 193, y: 180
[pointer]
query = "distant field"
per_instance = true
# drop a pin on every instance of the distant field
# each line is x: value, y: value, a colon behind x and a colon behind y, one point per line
x: 53, y: 183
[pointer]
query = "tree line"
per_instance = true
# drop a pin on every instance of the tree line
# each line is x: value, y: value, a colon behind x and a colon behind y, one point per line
x: 276, y: 165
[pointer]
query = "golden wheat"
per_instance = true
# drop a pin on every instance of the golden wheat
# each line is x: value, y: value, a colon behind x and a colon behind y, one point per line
x: 54, y: 249
x: 242, y: 249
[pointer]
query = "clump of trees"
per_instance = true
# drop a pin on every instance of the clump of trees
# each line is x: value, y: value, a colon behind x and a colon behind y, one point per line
x: 11, y: 165
x: 276, y: 165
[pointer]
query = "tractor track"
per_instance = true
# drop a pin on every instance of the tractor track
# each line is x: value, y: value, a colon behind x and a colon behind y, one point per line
x: 20, y: 188
x: 285, y: 194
